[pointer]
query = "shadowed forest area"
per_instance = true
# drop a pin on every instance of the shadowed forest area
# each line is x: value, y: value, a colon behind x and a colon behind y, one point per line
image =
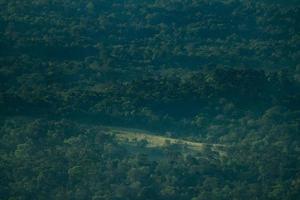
x: 150, y: 99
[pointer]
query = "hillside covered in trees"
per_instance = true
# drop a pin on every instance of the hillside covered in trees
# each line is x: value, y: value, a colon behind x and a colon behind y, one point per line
x: 212, y: 73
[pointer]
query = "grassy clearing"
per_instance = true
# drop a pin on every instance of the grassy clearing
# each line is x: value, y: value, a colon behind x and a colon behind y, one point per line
x: 155, y: 141
x: 135, y: 137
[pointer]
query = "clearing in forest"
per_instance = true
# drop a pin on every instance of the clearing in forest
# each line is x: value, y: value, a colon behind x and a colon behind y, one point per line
x: 150, y: 140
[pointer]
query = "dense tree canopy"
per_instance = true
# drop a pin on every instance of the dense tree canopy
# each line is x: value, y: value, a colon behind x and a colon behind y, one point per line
x: 222, y: 72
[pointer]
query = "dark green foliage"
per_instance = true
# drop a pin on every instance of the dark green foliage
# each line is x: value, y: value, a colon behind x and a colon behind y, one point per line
x: 44, y: 159
x: 212, y: 71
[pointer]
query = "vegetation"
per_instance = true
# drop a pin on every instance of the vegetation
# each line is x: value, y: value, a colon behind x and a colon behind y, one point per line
x: 217, y: 81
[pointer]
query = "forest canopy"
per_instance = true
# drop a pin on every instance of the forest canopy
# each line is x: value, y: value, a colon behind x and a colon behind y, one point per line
x: 80, y: 79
